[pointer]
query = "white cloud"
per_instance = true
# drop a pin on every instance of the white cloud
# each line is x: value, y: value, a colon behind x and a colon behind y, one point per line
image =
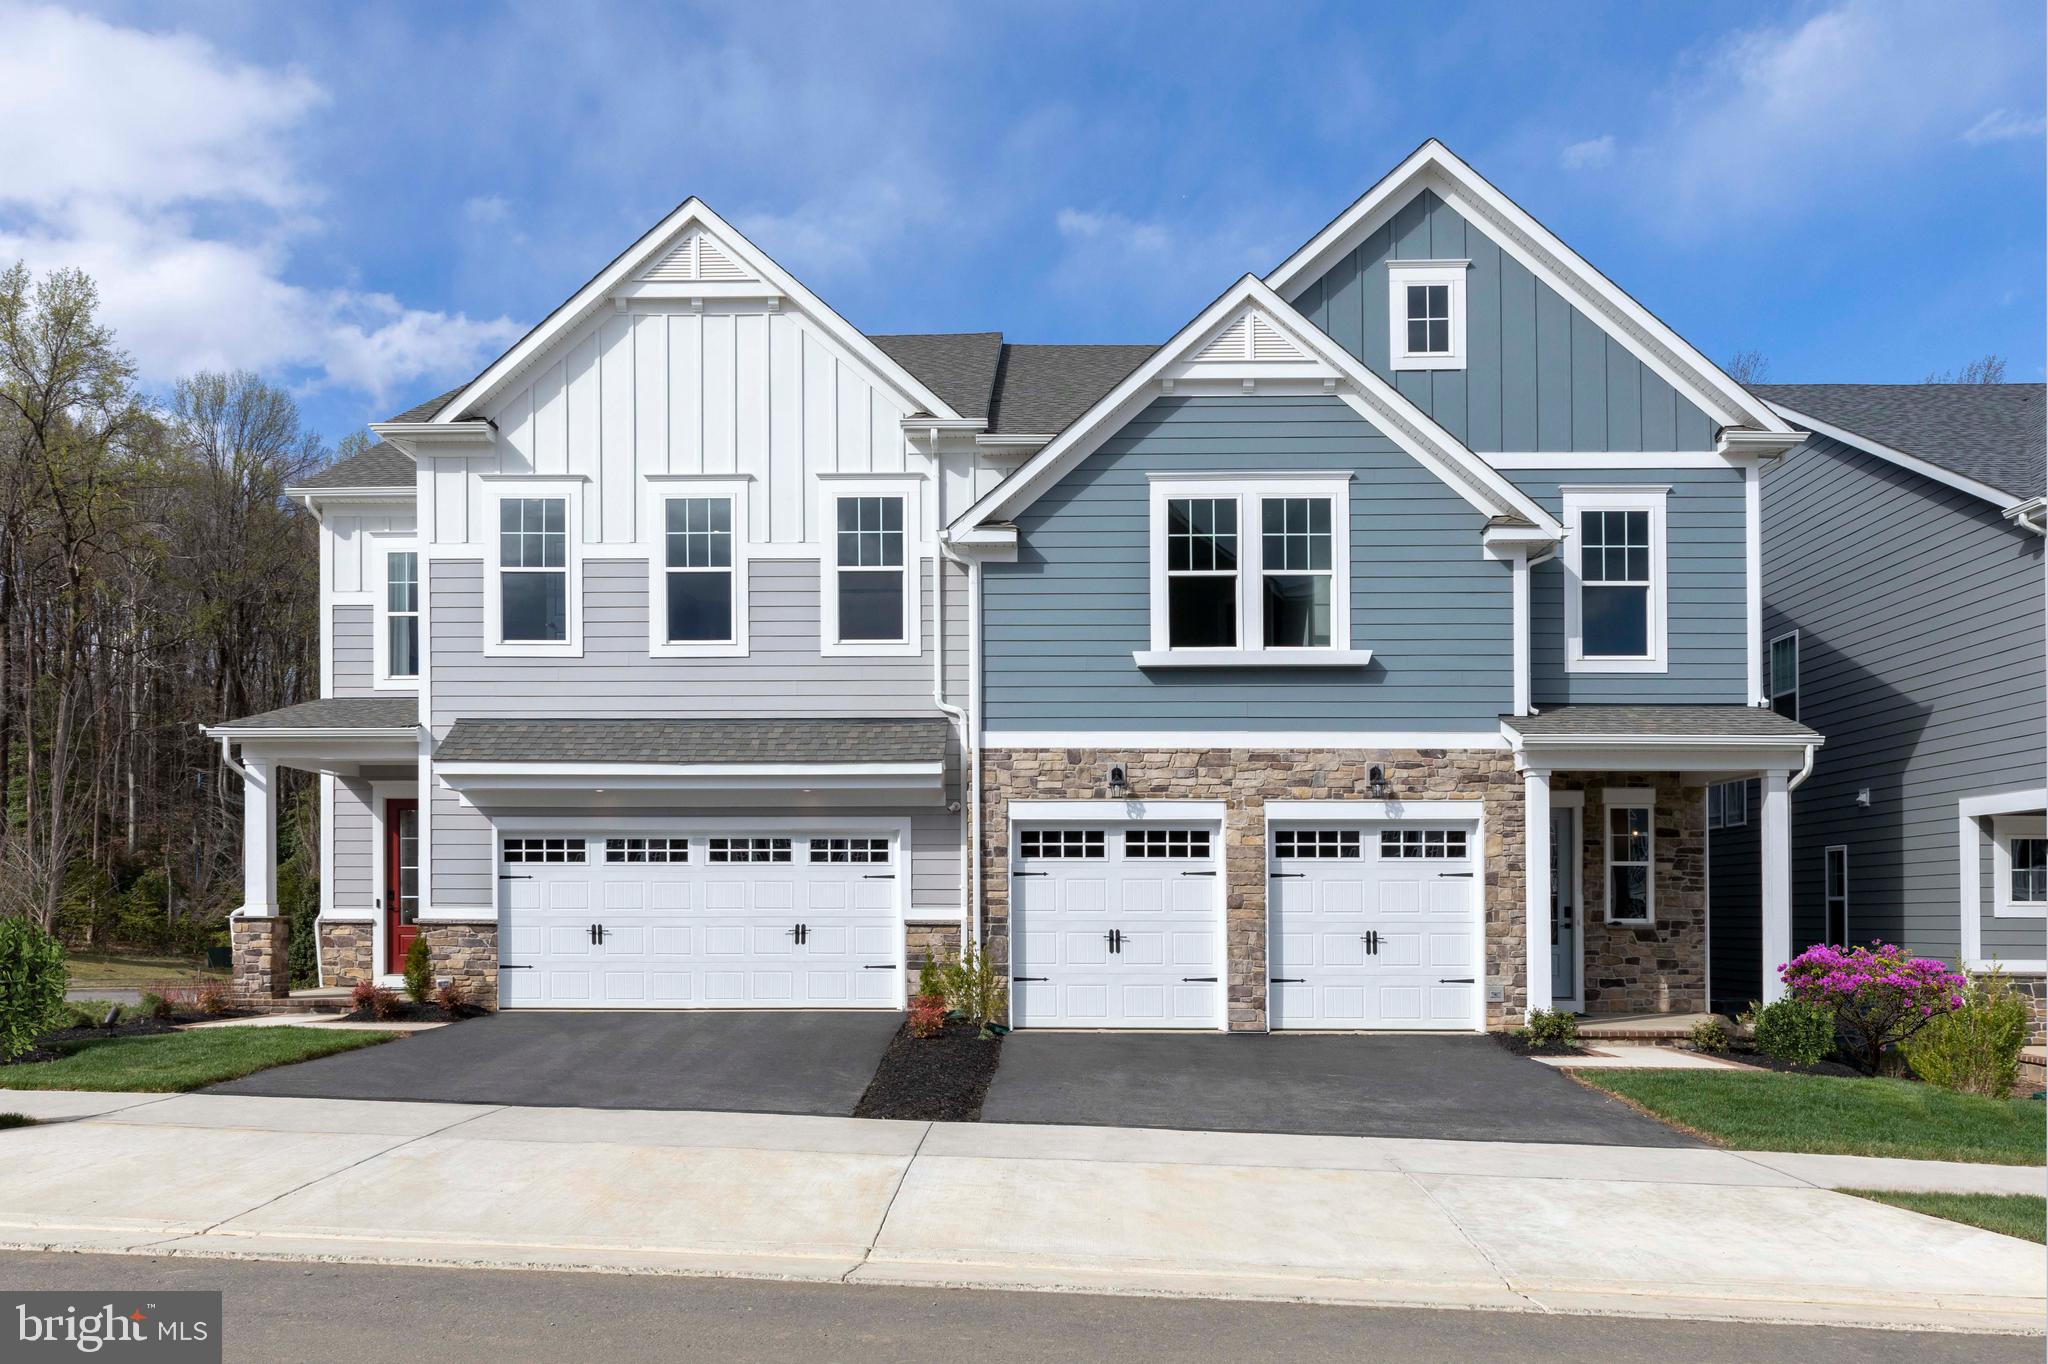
x: 1591, y: 154
x: 486, y: 210
x: 166, y: 170
x: 2002, y: 125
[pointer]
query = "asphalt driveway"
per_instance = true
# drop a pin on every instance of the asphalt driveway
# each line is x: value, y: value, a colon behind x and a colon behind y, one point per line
x: 1461, y: 1088
x: 779, y: 1061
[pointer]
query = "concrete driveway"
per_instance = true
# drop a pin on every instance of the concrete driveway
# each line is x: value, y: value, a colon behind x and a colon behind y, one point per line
x: 1463, y: 1088
x: 784, y: 1061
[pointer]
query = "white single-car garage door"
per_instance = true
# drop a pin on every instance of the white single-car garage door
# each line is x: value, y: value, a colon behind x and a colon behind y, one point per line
x: 729, y: 921
x: 1373, y: 926
x: 1116, y: 926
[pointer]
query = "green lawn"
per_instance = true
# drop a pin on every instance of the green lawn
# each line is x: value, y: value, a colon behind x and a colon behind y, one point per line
x: 183, y: 1060
x: 126, y: 971
x: 1763, y: 1111
x: 2021, y: 1215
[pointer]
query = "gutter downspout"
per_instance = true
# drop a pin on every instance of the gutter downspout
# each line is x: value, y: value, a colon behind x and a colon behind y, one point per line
x: 227, y: 758
x: 940, y: 554
x: 1805, y: 771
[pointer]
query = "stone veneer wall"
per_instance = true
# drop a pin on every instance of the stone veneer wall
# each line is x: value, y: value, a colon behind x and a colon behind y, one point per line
x: 348, y: 952
x: 2035, y: 990
x: 929, y: 942
x: 1661, y: 968
x: 262, y: 964
x: 1244, y: 780
x: 468, y: 955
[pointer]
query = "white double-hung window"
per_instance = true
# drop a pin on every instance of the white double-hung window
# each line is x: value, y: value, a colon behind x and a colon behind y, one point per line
x: 2019, y: 866
x: 872, y: 545
x: 398, y: 617
x: 532, y: 592
x: 1250, y: 572
x: 1615, y: 593
x: 697, y: 572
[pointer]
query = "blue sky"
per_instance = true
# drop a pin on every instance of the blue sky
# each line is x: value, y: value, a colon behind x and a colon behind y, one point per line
x: 367, y: 201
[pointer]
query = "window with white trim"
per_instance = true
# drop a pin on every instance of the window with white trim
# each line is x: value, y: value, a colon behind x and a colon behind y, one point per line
x: 2019, y: 851
x: 1785, y: 675
x: 1248, y: 568
x: 873, y: 851
x: 1062, y: 844
x: 870, y: 581
x: 1835, y: 893
x: 700, y: 568
x: 1728, y: 805
x: 531, y: 850
x: 1426, y: 314
x: 1433, y: 844
x: 1318, y: 844
x: 396, y: 567
x: 1615, y: 590
x: 769, y: 849
x: 647, y: 850
x: 1152, y: 843
x: 1631, y: 858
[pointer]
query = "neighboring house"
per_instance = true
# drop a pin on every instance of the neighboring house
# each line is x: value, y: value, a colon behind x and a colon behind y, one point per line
x: 1359, y: 658
x: 1903, y: 618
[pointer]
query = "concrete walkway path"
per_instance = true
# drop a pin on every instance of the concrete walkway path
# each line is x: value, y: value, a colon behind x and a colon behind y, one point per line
x: 1617, y: 1230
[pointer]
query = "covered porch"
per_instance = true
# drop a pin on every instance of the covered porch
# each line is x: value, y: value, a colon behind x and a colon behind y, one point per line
x: 353, y: 739
x: 1616, y: 868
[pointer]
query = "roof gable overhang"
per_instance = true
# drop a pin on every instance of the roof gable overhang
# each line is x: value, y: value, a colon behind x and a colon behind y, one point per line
x: 630, y: 276
x: 1998, y: 497
x: 1249, y: 340
x: 1433, y: 166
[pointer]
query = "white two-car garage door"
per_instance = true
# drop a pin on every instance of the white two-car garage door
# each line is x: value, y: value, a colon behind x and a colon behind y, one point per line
x: 1373, y: 926
x: 749, y: 922
x: 1116, y: 926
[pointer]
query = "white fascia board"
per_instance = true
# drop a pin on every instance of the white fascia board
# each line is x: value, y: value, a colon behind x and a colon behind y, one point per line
x: 601, y: 771
x: 257, y: 734
x: 430, y: 440
x: 1363, y: 811
x: 2003, y: 803
x: 1359, y: 741
x: 1999, y: 497
x: 692, y: 212
x: 1371, y: 397
x: 1435, y: 166
x: 396, y: 496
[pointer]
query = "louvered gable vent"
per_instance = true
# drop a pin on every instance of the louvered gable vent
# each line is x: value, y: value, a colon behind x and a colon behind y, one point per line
x: 696, y: 259
x: 1251, y: 336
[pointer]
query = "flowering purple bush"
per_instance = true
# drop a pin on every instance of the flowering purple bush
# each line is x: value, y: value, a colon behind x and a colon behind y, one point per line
x: 1878, y: 995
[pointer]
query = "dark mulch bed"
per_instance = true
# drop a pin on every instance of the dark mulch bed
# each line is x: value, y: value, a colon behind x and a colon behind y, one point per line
x: 1522, y: 1046
x: 53, y: 1046
x: 1759, y: 1061
x: 409, y: 1012
x: 933, y: 1079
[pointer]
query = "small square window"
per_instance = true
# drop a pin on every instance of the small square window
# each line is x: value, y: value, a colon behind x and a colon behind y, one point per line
x: 1426, y: 314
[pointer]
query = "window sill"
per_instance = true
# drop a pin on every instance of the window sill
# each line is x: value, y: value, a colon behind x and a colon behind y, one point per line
x: 2019, y: 911
x: 1616, y: 665
x: 1252, y: 658
x: 1426, y: 362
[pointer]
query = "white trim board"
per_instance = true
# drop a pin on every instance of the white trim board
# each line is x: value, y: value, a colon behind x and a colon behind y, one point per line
x: 1373, y: 811
x: 1435, y: 167
x: 1972, y: 840
x: 1113, y: 811
x: 1374, y: 741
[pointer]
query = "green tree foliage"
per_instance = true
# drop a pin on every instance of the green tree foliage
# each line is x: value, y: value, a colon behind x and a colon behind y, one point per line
x: 32, y: 978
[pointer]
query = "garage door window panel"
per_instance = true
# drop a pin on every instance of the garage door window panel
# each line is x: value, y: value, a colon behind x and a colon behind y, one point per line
x: 527, y: 850
x: 1166, y: 843
x: 1428, y: 844
x: 1062, y: 844
x: 646, y: 850
x: 1318, y: 844
x: 750, y: 850
x: 867, y: 851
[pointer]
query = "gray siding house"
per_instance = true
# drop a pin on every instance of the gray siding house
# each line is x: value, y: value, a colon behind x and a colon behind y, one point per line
x: 1903, y: 617
x: 1362, y: 657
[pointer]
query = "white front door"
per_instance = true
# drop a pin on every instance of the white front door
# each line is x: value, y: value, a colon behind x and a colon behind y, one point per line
x: 1116, y: 926
x: 1372, y: 926
x: 693, y: 921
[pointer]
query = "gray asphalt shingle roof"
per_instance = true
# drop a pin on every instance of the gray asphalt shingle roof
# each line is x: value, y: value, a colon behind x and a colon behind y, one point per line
x: 1993, y: 433
x: 958, y: 366
x: 695, y: 741
x: 383, y: 465
x: 1043, y: 388
x: 1659, y: 722
x: 337, y: 712
x: 428, y: 408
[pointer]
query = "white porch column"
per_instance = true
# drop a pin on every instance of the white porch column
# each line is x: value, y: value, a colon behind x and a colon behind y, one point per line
x: 1536, y: 874
x: 259, y: 838
x: 1777, y: 881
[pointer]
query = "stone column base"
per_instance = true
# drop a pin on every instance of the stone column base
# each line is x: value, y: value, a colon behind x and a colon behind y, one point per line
x: 929, y: 942
x: 262, y: 969
x: 348, y: 953
x: 466, y: 954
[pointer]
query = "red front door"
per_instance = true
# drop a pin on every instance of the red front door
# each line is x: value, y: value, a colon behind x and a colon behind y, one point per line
x: 401, y: 880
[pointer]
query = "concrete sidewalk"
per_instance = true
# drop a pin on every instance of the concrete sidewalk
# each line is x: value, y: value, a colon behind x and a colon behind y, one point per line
x: 1393, y: 1221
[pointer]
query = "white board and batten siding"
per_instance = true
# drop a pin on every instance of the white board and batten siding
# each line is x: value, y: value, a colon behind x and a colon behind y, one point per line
x: 350, y: 579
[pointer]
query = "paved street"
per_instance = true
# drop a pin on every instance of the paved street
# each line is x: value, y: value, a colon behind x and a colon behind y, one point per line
x: 350, y: 1313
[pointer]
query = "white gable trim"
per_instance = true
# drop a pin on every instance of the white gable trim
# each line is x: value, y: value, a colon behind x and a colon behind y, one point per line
x: 1434, y: 166
x: 650, y: 248
x: 1998, y: 497
x: 1338, y: 372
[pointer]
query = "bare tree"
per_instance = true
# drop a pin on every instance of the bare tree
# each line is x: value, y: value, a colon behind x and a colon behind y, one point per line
x: 1988, y: 370
x: 1749, y: 367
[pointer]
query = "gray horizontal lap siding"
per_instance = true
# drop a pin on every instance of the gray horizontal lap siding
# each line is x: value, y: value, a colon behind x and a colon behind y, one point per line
x: 354, y: 651
x: 1539, y: 374
x: 616, y: 676
x: 1060, y: 624
x: 465, y: 859
x: 1706, y: 584
x: 1921, y: 643
x: 354, y: 835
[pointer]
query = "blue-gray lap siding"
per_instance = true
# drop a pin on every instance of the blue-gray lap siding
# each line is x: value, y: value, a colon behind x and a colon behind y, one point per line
x: 1706, y: 585
x: 1060, y: 624
x: 1921, y: 639
x: 1539, y: 374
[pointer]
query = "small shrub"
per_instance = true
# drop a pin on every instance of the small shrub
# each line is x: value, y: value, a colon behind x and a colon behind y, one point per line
x: 1975, y: 1049
x: 1878, y: 995
x: 1710, y: 1035
x: 1550, y: 1028
x: 927, y: 1016
x: 1795, y: 1032
x: 213, y: 998
x: 419, y: 971
x: 32, y: 981
x: 931, y: 979
x: 158, y: 1006
x: 374, y: 1000
x: 974, y: 987
x: 453, y: 997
